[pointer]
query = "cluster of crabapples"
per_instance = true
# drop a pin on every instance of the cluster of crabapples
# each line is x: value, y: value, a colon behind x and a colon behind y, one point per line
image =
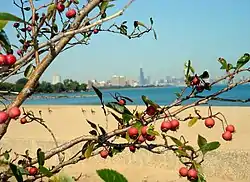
x: 191, y: 173
x: 196, y: 81
x: 60, y: 7
x: 229, y: 130
x: 7, y: 60
x: 170, y: 125
x: 70, y: 13
x: 143, y: 135
x: 12, y: 113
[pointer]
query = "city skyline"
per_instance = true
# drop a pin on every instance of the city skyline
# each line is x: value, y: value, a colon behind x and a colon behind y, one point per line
x: 123, y: 81
x: 200, y: 33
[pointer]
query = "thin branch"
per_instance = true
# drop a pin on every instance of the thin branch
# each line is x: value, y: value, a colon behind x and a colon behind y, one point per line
x: 47, y: 60
x: 225, y: 99
x: 84, y: 29
x: 61, y: 158
x: 34, y: 30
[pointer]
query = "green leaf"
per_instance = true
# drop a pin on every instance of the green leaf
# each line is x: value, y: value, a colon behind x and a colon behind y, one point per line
x: 243, y: 60
x: 27, y: 8
x: 188, y: 147
x: 102, y: 130
x: 109, y: 175
x: 40, y: 157
x: 110, y: 6
x: 104, y: 6
x: 3, y: 162
x: 201, y: 141
x: 207, y: 86
x: 192, y: 121
x: 29, y: 70
x: 182, y: 153
x: 116, y: 150
x: 223, y: 63
x: 10, y: 17
x: 138, y: 125
x: 89, y: 150
x: 188, y: 68
x: 229, y: 67
x: 50, y: 11
x: 127, y: 137
x: 3, y: 23
x: 93, y: 125
x: 45, y: 171
x: 23, y: 171
x: 61, y: 177
x: 98, y: 92
x: 118, y: 108
x: 16, y: 172
x: 55, y: 27
x: 6, y: 155
x: 204, y: 75
x: 201, y: 177
x: 142, y: 24
x: 123, y: 30
x: 126, y: 118
x: 149, y: 102
x: 4, y: 41
x: 210, y: 146
x: 67, y: 4
x: 120, y: 120
x: 93, y: 132
x: 152, y: 132
x: 176, y: 141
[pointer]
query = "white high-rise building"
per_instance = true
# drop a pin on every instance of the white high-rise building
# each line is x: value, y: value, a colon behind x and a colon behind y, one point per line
x: 118, y: 80
x: 56, y: 79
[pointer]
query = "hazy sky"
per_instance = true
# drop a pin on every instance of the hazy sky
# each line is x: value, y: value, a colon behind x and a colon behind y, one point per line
x: 197, y: 30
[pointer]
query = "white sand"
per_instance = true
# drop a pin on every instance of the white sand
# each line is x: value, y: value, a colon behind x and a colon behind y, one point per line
x: 229, y: 163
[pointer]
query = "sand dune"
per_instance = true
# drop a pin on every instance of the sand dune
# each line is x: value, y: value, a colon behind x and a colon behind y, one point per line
x: 230, y: 163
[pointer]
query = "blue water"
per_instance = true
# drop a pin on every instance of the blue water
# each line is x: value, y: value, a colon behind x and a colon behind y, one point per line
x: 160, y: 95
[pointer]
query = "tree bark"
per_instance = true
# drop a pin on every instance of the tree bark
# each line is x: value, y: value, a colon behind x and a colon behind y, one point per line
x: 47, y: 60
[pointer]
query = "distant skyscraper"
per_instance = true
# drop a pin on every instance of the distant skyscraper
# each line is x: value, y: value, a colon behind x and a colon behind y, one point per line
x: 142, y: 79
x: 149, y: 80
x: 56, y: 79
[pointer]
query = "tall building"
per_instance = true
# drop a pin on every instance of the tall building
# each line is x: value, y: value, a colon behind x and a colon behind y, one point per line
x: 142, y: 79
x: 56, y: 79
x: 115, y: 80
x: 148, y: 80
x: 118, y: 81
x: 122, y: 81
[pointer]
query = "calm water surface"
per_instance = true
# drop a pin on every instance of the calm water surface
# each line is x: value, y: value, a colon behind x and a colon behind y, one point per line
x: 162, y: 96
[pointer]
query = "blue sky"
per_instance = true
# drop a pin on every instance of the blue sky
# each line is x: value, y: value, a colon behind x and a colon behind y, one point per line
x: 197, y: 30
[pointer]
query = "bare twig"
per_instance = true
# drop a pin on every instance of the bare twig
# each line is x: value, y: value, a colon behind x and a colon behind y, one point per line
x: 34, y: 30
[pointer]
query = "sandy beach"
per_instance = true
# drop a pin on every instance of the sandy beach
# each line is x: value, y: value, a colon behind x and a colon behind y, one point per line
x: 231, y: 162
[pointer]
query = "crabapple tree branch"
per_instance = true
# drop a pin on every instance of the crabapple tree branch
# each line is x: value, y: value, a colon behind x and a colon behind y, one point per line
x: 29, y: 87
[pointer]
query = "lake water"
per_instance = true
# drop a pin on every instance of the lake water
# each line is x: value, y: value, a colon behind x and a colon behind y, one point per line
x: 161, y: 95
